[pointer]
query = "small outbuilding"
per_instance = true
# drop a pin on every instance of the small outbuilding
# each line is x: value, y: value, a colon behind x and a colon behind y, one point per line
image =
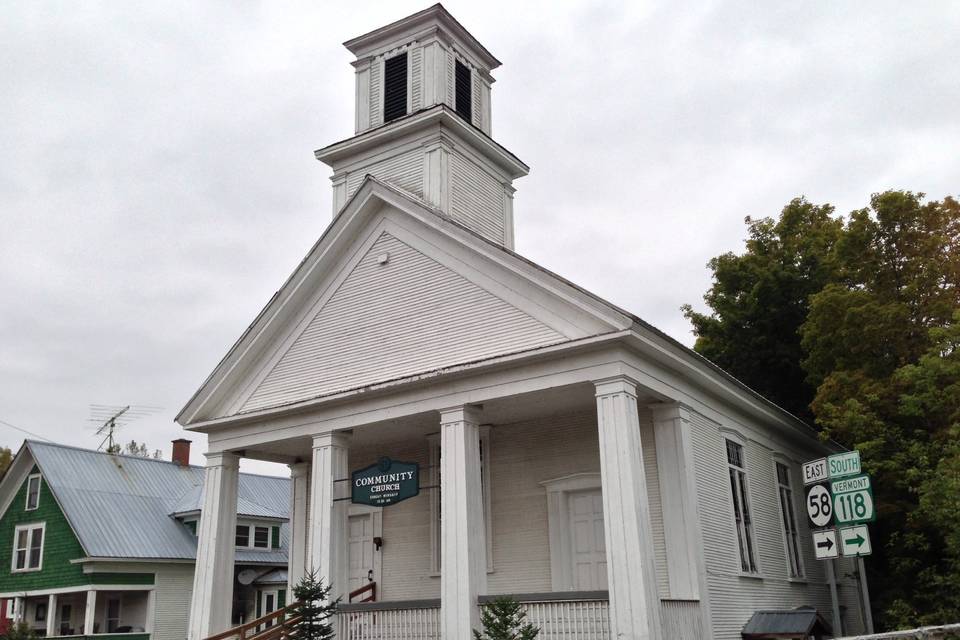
x: 803, y: 622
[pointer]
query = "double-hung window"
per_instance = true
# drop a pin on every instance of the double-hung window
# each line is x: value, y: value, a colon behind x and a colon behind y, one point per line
x: 33, y: 492
x: 789, y: 518
x: 743, y: 519
x: 252, y: 537
x: 28, y: 547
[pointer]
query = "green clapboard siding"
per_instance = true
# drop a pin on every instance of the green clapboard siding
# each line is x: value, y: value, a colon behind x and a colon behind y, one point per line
x: 60, y: 545
x: 121, y: 578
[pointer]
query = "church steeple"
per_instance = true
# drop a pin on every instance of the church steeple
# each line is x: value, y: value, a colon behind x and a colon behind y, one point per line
x: 423, y: 123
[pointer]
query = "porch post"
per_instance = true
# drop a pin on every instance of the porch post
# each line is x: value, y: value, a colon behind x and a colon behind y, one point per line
x: 299, y: 479
x: 328, y: 519
x: 463, y: 566
x: 90, y: 613
x: 52, y: 615
x: 634, y: 601
x: 212, y: 599
x: 17, y: 613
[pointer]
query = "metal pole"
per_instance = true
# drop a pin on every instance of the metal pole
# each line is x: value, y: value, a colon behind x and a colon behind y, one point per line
x: 867, y: 611
x: 834, y: 598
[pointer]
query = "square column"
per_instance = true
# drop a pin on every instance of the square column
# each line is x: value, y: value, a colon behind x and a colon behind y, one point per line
x: 631, y: 574
x: 463, y: 567
x: 212, y: 600
x: 297, y: 564
x: 327, y: 553
x: 52, y: 629
x: 90, y: 613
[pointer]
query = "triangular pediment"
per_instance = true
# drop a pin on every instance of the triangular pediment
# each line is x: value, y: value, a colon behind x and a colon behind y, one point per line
x: 393, y: 290
x: 398, y: 313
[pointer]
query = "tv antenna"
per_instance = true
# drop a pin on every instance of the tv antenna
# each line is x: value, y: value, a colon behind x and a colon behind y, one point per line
x: 112, y: 417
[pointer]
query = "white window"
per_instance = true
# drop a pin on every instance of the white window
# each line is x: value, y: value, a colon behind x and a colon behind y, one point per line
x: 33, y: 492
x: 789, y: 518
x: 28, y: 547
x: 252, y: 537
x: 743, y: 519
x: 435, y: 498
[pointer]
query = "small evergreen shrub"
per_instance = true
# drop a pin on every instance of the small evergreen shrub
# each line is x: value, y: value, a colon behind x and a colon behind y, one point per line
x: 505, y: 619
x: 19, y: 631
x: 314, y: 609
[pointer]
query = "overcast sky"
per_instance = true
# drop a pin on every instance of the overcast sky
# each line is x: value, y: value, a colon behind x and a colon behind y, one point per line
x: 157, y: 179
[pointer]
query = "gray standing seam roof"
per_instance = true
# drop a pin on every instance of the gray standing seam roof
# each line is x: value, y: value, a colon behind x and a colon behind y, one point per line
x: 122, y: 506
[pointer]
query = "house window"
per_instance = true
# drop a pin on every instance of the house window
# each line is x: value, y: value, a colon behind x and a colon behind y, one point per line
x: 33, y: 492
x: 28, y: 547
x: 464, y: 88
x: 253, y: 537
x: 435, y: 501
x: 741, y: 506
x: 789, y: 518
x: 66, y: 612
x: 113, y: 614
x: 395, y: 87
x: 40, y: 612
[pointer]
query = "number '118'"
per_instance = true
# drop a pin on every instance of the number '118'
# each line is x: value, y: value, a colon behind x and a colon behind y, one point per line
x: 853, y: 506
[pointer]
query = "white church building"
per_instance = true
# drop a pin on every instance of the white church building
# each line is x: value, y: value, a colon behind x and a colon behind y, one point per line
x: 461, y: 423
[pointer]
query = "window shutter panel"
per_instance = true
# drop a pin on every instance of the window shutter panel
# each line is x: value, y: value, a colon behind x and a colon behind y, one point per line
x: 464, y: 88
x: 395, y: 87
x: 276, y: 537
x: 281, y: 598
x: 259, y: 603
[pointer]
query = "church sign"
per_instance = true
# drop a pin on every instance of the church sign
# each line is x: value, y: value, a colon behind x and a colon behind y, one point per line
x: 385, y: 483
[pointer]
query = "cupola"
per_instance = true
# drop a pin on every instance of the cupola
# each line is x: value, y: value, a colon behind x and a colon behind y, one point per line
x: 423, y: 124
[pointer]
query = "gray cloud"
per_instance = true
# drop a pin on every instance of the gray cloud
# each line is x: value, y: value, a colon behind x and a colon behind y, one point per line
x: 157, y: 182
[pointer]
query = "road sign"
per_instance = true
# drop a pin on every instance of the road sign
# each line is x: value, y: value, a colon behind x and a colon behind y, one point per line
x: 854, y: 507
x: 855, y: 541
x: 844, y: 464
x: 825, y: 544
x: 846, y: 485
x: 819, y: 506
x: 815, y: 471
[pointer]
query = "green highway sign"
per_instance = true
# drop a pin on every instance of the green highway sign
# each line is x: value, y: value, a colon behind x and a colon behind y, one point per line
x: 855, y: 541
x: 385, y: 483
x: 853, y: 500
x: 844, y: 464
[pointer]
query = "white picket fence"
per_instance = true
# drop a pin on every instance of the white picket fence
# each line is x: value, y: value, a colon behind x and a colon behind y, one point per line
x: 922, y: 633
x: 405, y: 621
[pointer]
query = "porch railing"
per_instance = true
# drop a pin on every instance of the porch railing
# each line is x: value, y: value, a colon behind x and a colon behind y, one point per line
x: 273, y: 626
x: 408, y: 620
x: 580, y: 615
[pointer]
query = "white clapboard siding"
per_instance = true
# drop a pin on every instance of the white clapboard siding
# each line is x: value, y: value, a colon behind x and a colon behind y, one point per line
x: 476, y: 198
x: 404, y: 170
x: 174, y: 587
x: 411, y: 315
x: 376, y: 91
x: 733, y: 598
x: 416, y: 77
x: 522, y: 456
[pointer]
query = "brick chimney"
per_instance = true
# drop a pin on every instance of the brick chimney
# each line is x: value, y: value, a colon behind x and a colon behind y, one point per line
x: 181, y: 452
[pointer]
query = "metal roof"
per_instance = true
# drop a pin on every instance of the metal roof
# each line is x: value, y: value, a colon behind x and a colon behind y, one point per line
x: 122, y: 506
x: 796, y: 623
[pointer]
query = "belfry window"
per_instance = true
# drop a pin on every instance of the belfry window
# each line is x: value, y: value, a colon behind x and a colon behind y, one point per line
x: 395, y: 87
x: 464, y: 93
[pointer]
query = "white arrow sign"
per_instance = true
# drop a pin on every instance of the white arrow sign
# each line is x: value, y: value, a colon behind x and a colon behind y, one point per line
x: 825, y: 544
x: 819, y: 505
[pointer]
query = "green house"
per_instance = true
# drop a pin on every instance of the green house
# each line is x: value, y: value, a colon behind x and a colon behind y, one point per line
x: 100, y: 545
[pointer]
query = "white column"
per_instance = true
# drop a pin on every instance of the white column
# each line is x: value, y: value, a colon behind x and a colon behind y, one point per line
x: 297, y: 563
x: 463, y: 566
x: 52, y: 629
x: 678, y: 499
x: 328, y: 518
x: 17, y: 613
x: 634, y: 602
x: 436, y: 176
x: 90, y: 613
x: 212, y: 599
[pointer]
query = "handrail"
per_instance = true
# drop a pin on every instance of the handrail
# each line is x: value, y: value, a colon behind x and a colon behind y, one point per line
x: 371, y: 587
x: 241, y: 631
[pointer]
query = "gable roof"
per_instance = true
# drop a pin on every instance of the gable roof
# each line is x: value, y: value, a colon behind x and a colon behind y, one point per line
x: 123, y: 506
x: 368, y: 201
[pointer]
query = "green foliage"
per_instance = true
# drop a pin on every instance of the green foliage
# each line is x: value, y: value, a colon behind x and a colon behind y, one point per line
x: 134, y: 448
x: 759, y: 300
x: 505, y: 619
x: 314, y: 608
x: 6, y: 459
x: 879, y: 341
x: 20, y: 631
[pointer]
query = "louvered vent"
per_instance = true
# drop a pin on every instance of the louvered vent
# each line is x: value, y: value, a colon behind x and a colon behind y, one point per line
x: 395, y: 87
x: 464, y: 84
